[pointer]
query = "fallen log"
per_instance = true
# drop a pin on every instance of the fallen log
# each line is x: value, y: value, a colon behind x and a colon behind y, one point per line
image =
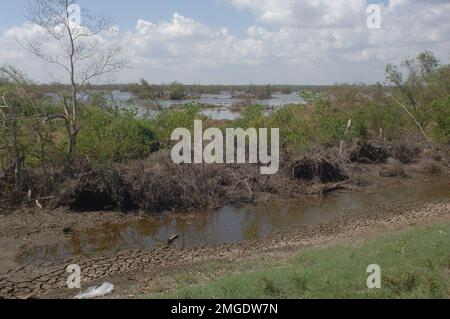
x: 171, y: 240
x: 334, y: 187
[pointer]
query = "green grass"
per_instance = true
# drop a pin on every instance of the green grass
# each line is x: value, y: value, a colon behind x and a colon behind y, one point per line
x: 415, y: 264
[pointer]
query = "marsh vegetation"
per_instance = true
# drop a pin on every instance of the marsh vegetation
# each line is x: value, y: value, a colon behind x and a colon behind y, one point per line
x: 112, y: 142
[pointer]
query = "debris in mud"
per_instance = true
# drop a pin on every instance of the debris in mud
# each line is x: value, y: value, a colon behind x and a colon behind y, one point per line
x: 431, y: 167
x: 322, y: 170
x: 98, y: 190
x: 405, y: 153
x: 332, y: 188
x: 434, y: 154
x: 96, y: 292
x: 172, y: 239
x: 368, y: 153
x: 394, y: 168
x: 157, y: 185
x: 38, y: 187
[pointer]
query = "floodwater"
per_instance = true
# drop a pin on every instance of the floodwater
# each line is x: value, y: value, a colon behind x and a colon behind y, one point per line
x: 230, y: 224
x: 221, y: 102
x: 220, y: 114
x: 218, y: 104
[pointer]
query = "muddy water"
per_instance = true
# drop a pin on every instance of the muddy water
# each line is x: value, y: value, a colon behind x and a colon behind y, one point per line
x: 230, y: 224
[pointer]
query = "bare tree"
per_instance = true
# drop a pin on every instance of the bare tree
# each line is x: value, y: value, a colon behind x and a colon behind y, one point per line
x: 86, y: 51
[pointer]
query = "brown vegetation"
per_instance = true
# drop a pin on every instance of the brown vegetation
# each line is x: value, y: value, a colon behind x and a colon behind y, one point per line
x: 158, y: 185
x: 394, y: 168
x: 318, y: 170
x: 368, y: 153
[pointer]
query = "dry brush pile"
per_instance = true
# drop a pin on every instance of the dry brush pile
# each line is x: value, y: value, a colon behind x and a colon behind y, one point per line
x: 157, y: 185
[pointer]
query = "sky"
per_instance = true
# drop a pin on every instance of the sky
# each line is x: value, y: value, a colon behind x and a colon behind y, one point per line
x: 246, y: 41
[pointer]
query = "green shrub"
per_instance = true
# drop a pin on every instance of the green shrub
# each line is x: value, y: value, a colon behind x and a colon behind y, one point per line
x: 252, y: 117
x: 439, y: 111
x: 113, y: 135
x: 329, y: 123
x: 177, y: 91
x: 170, y: 119
x: 295, y: 129
x: 311, y: 97
x: 369, y: 118
x: 330, y: 128
x: 34, y: 135
x: 260, y: 92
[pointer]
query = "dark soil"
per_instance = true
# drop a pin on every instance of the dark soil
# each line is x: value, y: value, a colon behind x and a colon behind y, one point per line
x: 97, y: 191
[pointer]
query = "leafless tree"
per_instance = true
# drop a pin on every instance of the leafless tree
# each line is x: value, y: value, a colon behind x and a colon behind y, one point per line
x: 86, y: 51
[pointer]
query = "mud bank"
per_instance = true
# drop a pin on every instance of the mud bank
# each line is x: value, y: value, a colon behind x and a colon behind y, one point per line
x: 49, y: 279
x: 230, y: 224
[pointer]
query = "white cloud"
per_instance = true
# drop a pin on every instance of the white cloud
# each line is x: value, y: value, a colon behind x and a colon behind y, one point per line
x: 307, y: 13
x: 311, y: 41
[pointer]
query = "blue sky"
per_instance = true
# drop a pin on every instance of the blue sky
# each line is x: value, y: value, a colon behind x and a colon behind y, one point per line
x: 215, y: 13
x: 250, y: 41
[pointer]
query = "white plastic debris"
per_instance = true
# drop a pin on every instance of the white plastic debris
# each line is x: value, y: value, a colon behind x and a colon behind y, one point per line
x: 96, y: 292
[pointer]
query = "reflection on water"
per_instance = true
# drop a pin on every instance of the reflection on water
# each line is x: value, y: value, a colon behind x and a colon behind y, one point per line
x: 229, y: 224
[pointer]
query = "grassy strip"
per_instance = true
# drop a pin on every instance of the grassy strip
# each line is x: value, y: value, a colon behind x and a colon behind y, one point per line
x: 415, y: 264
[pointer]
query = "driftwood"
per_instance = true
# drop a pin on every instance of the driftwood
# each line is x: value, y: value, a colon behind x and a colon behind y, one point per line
x: 47, y: 198
x: 172, y: 239
x: 334, y: 187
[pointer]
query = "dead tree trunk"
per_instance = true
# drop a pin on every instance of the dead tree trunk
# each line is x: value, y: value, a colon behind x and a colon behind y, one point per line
x: 347, y: 131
